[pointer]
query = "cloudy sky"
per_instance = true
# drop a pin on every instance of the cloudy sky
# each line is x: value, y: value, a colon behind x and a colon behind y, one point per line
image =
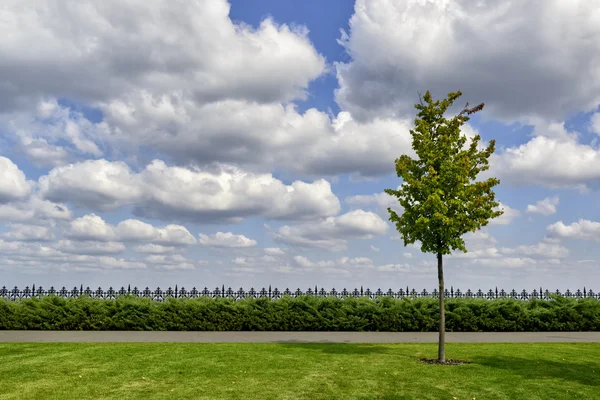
x: 248, y: 142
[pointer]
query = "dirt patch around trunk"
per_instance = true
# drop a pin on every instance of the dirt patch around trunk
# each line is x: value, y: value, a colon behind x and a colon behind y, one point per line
x: 447, y: 362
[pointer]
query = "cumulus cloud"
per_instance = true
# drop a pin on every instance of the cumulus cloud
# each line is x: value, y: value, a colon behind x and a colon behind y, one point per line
x: 93, y: 227
x: 546, y: 206
x: 97, y: 184
x: 170, y: 261
x: 332, y: 233
x: 52, y: 134
x: 226, y: 240
x: 583, y: 229
x: 532, y: 68
x: 135, y: 230
x: 151, y: 248
x: 274, y: 251
x: 553, y: 158
x: 507, y: 218
x: 505, y: 262
x: 180, y: 112
x: 22, y: 232
x: 13, y: 183
x: 62, y: 256
x: 261, y: 136
x: 479, y: 244
x: 41, y: 153
x: 595, y: 123
x: 98, y: 53
x: 89, y: 247
x: 544, y: 249
x: 381, y: 201
x: 164, y: 192
x: 34, y: 210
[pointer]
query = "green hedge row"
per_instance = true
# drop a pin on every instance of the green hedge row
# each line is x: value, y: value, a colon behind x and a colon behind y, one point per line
x: 300, y: 314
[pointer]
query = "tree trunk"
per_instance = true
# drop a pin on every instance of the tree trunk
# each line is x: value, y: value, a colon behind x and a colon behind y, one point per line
x: 442, y: 339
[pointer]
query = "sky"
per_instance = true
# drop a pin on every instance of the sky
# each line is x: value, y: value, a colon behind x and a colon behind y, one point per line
x: 248, y: 143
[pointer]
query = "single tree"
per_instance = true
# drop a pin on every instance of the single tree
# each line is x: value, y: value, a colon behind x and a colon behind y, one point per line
x: 441, y: 199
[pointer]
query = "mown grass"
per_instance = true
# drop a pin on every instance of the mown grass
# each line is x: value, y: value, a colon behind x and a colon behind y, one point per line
x: 296, y: 371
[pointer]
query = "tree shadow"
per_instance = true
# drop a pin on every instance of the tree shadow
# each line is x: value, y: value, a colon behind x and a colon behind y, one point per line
x: 339, y: 348
x: 585, y: 373
x: 385, y: 397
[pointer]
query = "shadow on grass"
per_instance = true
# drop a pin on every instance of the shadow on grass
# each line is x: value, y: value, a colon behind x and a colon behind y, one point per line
x: 586, y: 373
x: 338, y: 348
x: 385, y: 397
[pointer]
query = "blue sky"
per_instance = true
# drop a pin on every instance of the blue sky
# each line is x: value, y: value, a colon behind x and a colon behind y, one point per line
x: 248, y: 143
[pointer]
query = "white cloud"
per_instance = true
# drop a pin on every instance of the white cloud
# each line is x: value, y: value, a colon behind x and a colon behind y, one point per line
x: 542, y: 249
x: 239, y: 261
x: 138, y: 231
x: 510, y: 214
x: 583, y: 229
x: 52, y: 134
x: 89, y: 247
x: 381, y: 201
x: 34, y: 210
x: 170, y: 261
x: 394, y: 268
x: 595, y: 123
x: 58, y: 257
x: 505, y: 262
x: 263, y: 136
x: 539, y: 57
x: 151, y: 248
x: 332, y: 233
x: 99, y: 53
x: 549, y: 162
x: 479, y: 244
x: 97, y: 184
x: 274, y: 251
x: 375, y: 249
x: 93, y: 227
x: 226, y: 239
x: 164, y: 192
x: 21, y: 232
x: 101, y: 262
x: 544, y: 207
x: 13, y: 183
x: 41, y: 153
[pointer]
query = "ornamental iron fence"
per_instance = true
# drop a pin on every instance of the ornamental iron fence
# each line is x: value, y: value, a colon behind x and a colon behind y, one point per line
x: 16, y: 294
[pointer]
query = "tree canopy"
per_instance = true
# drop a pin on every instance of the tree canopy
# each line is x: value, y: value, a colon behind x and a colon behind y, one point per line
x: 440, y: 195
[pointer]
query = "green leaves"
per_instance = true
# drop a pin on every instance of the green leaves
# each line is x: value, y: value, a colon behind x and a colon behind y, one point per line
x: 305, y: 313
x: 441, y: 198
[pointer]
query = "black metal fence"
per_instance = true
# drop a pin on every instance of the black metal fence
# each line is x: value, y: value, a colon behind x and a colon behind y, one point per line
x: 16, y: 294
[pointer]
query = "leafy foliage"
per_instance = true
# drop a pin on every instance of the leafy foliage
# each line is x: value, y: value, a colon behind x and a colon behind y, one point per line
x: 306, y: 313
x: 441, y: 199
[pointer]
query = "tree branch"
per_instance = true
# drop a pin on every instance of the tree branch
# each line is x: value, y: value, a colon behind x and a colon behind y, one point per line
x: 470, y: 111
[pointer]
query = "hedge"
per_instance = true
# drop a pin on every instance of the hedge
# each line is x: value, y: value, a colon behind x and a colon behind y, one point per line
x: 306, y: 313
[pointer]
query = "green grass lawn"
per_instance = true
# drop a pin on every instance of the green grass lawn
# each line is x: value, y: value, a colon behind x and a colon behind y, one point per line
x: 297, y: 371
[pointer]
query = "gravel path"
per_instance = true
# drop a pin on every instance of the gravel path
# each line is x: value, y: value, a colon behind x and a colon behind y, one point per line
x: 296, y: 337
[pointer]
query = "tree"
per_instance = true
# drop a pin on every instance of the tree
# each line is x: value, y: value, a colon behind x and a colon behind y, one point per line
x: 441, y: 199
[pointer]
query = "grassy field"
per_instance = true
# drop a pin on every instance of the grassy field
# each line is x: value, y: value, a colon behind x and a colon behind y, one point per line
x: 297, y: 371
